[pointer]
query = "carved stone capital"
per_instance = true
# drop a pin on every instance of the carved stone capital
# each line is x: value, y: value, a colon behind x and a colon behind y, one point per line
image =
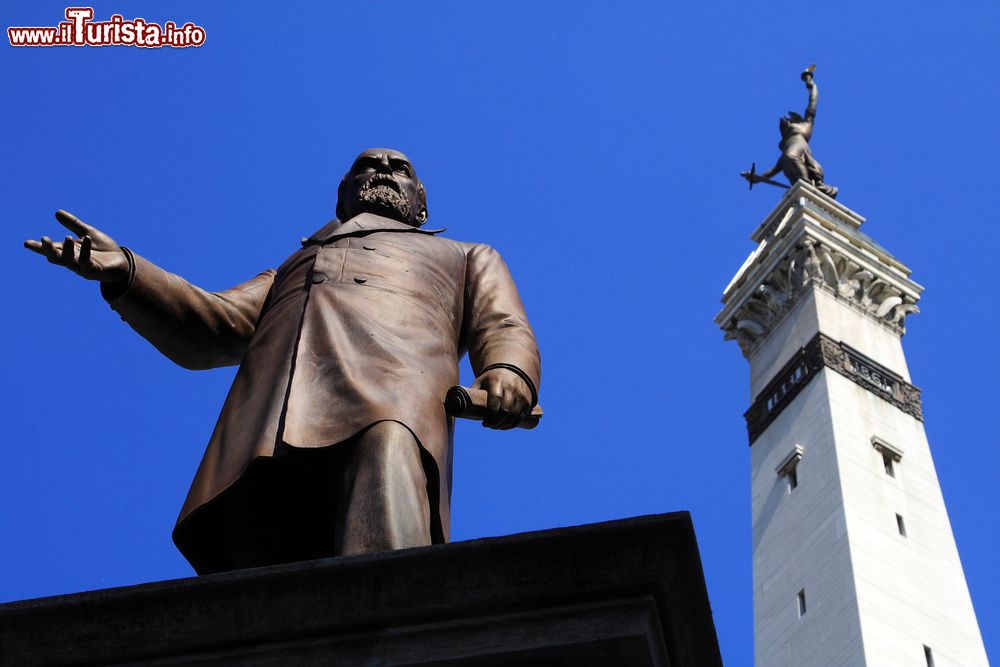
x: 814, y: 263
x: 809, y: 241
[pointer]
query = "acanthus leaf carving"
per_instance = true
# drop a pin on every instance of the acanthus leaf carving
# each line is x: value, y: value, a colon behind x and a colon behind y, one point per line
x: 888, y: 304
x: 813, y: 262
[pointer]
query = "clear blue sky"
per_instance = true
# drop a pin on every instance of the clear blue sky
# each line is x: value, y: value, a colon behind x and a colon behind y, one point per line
x: 596, y: 145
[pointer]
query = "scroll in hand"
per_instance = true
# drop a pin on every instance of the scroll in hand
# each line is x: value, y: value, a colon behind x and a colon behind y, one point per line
x: 465, y: 403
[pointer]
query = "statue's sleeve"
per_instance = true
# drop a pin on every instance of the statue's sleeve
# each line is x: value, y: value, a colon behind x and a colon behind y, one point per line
x: 194, y: 328
x: 496, y: 329
x: 813, y: 101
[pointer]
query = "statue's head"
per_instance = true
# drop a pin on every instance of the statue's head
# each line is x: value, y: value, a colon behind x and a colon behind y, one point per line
x: 382, y: 181
x: 788, y: 119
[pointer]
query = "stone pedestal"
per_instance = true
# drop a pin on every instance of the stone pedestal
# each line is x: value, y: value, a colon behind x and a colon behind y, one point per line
x: 628, y: 592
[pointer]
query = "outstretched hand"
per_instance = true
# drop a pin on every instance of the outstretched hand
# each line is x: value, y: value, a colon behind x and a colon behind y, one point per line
x: 753, y: 178
x: 93, y: 255
x: 508, y: 398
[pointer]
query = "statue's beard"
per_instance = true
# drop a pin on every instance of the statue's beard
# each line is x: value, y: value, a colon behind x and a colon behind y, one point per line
x: 381, y: 197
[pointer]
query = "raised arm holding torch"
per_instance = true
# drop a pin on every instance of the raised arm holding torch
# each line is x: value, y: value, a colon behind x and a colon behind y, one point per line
x: 796, y: 160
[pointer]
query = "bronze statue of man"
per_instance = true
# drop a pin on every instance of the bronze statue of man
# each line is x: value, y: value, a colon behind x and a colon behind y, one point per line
x: 797, y: 161
x: 333, y: 439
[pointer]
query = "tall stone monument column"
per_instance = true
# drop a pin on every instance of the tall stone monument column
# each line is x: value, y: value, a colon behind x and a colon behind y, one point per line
x: 854, y: 560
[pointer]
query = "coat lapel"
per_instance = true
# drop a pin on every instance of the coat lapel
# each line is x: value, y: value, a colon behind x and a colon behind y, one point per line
x: 360, y: 225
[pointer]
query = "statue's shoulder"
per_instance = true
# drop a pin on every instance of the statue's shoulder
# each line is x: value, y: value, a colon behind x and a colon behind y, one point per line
x: 453, y: 246
x: 469, y: 247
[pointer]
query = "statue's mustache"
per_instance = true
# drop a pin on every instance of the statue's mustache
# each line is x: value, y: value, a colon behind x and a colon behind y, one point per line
x: 378, y: 180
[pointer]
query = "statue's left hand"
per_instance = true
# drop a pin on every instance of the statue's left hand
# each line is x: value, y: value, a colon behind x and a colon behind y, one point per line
x: 93, y: 255
x: 509, y: 398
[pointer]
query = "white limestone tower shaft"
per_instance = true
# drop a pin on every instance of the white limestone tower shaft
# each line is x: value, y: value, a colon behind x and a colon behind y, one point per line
x: 854, y: 560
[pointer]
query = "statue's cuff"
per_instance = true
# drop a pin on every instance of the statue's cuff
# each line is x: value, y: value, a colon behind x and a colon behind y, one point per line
x: 114, y: 291
x: 521, y: 374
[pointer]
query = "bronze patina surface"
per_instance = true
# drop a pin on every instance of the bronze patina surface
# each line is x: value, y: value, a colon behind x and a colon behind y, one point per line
x: 796, y: 161
x: 334, y: 438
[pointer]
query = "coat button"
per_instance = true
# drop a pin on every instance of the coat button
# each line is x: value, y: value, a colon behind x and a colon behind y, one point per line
x: 361, y: 281
x: 319, y: 277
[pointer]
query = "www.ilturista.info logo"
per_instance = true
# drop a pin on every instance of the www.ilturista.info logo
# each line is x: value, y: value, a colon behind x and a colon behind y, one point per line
x: 80, y: 30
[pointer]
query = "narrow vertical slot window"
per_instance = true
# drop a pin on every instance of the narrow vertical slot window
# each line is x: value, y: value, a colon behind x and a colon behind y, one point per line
x: 891, y: 455
x: 788, y: 468
x: 901, y: 525
x: 887, y: 461
x: 802, y: 602
x: 929, y: 656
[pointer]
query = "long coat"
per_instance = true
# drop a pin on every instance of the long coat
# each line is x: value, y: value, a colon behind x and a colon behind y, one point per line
x: 367, y: 322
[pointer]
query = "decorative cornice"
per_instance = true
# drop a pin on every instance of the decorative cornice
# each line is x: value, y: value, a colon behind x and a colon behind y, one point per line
x: 812, y: 262
x: 802, y: 195
x: 811, y: 241
x: 823, y: 352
